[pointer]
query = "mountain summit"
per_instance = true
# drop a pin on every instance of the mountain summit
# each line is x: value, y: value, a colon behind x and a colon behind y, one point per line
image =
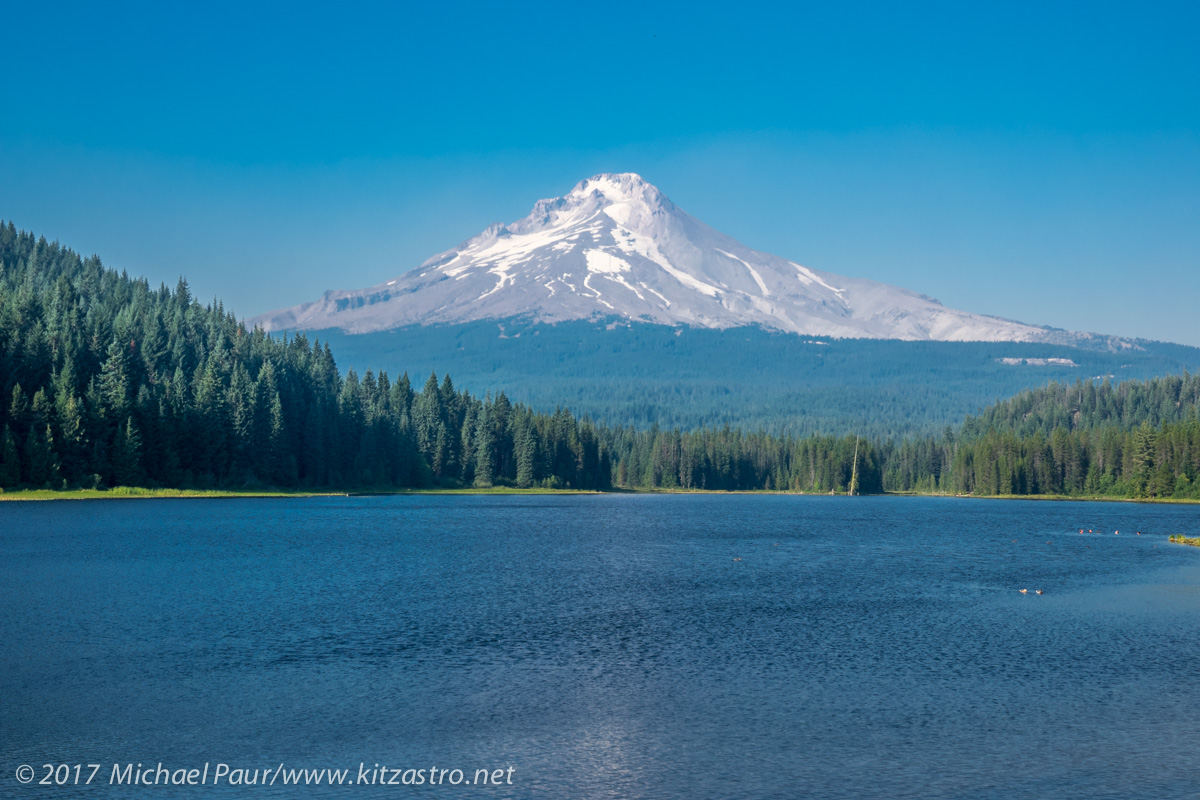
x: 616, y: 246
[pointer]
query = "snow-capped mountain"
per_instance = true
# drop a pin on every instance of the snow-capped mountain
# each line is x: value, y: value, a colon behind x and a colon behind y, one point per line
x: 616, y: 246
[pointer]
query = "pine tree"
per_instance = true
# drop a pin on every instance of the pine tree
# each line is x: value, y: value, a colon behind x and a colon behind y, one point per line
x: 280, y: 469
x: 239, y: 399
x: 41, y: 460
x: 1144, y: 446
x: 427, y: 412
x: 467, y: 443
x: 526, y: 454
x: 116, y: 390
x: 127, y: 455
x: 10, y: 461
x: 18, y: 411
x: 485, y: 465
x: 441, y: 447
x: 72, y: 439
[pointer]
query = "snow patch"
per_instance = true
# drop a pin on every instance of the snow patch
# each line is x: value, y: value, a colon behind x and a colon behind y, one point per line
x: 505, y: 277
x: 453, y: 272
x: 760, y: 304
x: 762, y: 287
x: 660, y: 297
x: 808, y: 277
x: 636, y: 244
x: 517, y: 248
x: 690, y: 282
x: 588, y: 285
x: 620, y: 212
x: 611, y: 267
x: 1038, y: 362
x: 614, y: 188
x: 600, y: 261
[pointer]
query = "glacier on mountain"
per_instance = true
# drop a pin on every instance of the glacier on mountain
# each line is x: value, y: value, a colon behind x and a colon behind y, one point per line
x: 616, y: 246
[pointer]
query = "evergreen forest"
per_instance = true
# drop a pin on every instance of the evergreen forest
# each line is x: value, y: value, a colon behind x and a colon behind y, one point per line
x: 109, y: 382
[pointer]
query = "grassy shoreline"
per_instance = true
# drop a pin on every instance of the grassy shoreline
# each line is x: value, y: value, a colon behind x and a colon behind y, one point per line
x: 1090, y: 498
x: 127, y: 493
x: 138, y: 493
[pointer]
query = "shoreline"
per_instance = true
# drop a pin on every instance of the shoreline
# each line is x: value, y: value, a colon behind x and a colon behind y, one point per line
x: 137, y: 493
x: 1062, y: 498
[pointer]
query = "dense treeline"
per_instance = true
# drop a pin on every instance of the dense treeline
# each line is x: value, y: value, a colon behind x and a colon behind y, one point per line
x: 730, y: 460
x: 612, y: 371
x: 1133, y: 439
x: 110, y: 382
x: 1091, y: 404
x: 106, y: 381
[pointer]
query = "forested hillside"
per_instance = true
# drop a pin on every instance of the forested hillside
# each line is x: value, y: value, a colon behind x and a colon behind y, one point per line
x: 626, y: 373
x: 110, y: 382
x: 1084, y: 405
x: 1132, y: 439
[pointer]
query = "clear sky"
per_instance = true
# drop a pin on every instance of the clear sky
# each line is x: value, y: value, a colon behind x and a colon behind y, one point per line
x: 1037, y: 161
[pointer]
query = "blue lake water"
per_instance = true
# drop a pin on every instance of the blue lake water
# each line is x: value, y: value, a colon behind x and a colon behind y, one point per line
x: 608, y: 646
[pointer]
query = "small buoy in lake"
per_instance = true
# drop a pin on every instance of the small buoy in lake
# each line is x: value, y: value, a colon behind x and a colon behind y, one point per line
x: 1037, y: 591
x: 1024, y: 591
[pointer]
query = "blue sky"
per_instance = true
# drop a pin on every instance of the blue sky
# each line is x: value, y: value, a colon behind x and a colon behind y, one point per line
x: 1035, y: 161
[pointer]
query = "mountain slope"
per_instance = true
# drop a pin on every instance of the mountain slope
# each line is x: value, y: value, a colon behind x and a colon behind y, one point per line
x: 616, y: 246
x: 640, y: 374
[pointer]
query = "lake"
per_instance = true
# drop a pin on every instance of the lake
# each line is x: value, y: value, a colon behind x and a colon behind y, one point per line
x: 610, y: 646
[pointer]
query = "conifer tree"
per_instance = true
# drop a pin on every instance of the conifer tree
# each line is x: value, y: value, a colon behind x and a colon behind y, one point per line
x: 127, y: 455
x: 10, y: 461
x: 525, y: 440
x: 116, y: 391
x: 41, y: 459
x: 18, y: 411
x: 485, y: 474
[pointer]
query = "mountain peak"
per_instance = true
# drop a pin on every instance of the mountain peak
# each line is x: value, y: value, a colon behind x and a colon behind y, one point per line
x: 625, y: 197
x: 616, y: 246
x: 615, y: 187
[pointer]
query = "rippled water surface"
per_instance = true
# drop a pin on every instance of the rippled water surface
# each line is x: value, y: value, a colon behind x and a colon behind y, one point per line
x: 697, y: 646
